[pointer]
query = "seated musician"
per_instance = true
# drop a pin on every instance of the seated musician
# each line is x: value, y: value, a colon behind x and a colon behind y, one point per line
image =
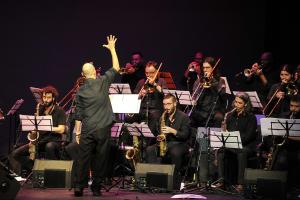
x: 209, y: 91
x: 243, y: 120
x: 175, y: 126
x: 48, y: 142
x: 280, y: 93
x: 151, y: 94
x: 286, y: 151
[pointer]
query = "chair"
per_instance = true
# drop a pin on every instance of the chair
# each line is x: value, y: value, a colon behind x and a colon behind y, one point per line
x: 168, y: 78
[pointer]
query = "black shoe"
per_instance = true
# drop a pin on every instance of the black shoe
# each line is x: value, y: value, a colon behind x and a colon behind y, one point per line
x: 78, y: 192
x: 96, y: 193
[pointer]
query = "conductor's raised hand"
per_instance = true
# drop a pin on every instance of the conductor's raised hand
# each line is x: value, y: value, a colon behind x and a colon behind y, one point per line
x: 111, y: 41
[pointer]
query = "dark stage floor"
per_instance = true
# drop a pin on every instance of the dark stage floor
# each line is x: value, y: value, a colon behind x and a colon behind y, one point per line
x: 114, y: 194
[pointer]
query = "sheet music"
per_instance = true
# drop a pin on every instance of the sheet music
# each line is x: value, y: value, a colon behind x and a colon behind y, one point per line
x: 125, y: 103
x: 232, y: 139
x: 137, y: 129
x: 183, y: 96
x: 254, y: 99
x: 15, y: 107
x: 44, y: 123
x: 119, y: 88
x: 227, y: 88
x: 116, y: 130
x: 276, y: 126
x: 37, y: 93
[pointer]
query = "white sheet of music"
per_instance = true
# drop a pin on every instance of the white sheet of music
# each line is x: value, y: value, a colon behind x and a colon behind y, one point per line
x: 119, y: 88
x: 227, y: 88
x: 184, y: 96
x: 232, y: 139
x: 37, y: 93
x: 276, y: 126
x: 254, y: 99
x: 44, y: 123
x: 125, y: 103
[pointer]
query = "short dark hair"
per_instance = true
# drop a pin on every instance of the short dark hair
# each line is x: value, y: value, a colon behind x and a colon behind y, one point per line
x: 52, y: 90
x: 295, y: 98
x: 170, y: 96
x: 137, y: 53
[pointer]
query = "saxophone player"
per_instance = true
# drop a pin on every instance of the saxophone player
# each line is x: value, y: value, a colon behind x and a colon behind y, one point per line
x: 175, y: 125
x: 48, y: 142
x: 243, y: 120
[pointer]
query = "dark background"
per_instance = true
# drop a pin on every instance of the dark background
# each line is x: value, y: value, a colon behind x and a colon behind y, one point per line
x: 46, y: 42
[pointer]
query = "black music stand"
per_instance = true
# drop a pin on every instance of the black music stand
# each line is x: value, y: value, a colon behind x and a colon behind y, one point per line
x: 122, y: 104
x: 36, y: 123
x: 11, y: 113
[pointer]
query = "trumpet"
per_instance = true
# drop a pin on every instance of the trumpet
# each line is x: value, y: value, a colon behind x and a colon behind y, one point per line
x: 124, y: 70
x: 250, y: 72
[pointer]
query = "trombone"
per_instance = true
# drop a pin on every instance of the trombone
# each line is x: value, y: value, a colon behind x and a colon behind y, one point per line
x: 290, y: 90
x: 146, y: 84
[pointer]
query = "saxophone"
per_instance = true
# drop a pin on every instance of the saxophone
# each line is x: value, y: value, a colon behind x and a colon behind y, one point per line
x: 161, y: 138
x: 33, y: 136
x: 223, y: 125
x: 133, y: 154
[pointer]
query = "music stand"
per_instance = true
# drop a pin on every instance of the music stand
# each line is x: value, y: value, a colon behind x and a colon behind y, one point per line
x: 119, y: 88
x: 280, y: 127
x: 254, y: 99
x: 10, y: 113
x: 35, y: 123
x: 227, y: 88
x: 183, y: 97
x: 122, y: 104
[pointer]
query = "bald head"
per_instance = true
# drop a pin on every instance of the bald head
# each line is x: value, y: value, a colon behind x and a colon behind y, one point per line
x: 88, y: 70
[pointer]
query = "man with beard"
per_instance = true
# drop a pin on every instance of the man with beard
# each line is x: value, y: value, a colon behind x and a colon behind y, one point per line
x: 48, y: 142
x: 175, y: 125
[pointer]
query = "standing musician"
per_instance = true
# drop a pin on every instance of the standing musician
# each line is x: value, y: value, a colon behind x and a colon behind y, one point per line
x: 175, y: 126
x: 94, y: 112
x: 260, y: 77
x: 280, y: 93
x: 243, y: 120
x: 150, y: 90
x: 134, y: 70
x: 48, y: 142
x: 207, y: 90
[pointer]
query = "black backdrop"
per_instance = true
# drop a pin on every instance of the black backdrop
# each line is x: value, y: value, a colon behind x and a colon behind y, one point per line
x: 47, y: 42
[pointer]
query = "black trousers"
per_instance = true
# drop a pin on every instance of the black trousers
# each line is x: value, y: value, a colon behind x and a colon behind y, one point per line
x: 176, y: 155
x: 96, y: 141
x: 19, y: 158
x: 241, y: 154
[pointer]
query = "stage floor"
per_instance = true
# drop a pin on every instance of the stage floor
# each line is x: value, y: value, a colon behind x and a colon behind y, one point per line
x: 114, y: 194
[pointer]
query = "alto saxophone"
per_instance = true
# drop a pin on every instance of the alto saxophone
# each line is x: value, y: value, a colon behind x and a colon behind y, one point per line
x: 33, y: 136
x: 161, y: 138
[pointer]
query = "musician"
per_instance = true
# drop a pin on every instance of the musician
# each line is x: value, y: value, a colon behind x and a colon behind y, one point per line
x: 134, y: 70
x: 286, y: 151
x: 176, y: 126
x: 48, y: 142
x: 94, y: 112
x: 263, y: 75
x: 281, y: 93
x: 243, y: 120
x: 151, y: 94
x: 210, y: 91
x: 193, y: 71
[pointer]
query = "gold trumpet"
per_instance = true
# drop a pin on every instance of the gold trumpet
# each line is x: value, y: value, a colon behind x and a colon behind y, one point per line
x: 250, y: 72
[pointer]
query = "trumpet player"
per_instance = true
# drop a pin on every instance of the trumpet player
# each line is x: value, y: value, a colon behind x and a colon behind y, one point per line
x: 48, y: 142
x: 134, y: 70
x: 174, y: 126
x: 260, y: 77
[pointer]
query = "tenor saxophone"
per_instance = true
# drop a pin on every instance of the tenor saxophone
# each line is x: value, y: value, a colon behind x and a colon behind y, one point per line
x: 33, y: 136
x: 132, y: 154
